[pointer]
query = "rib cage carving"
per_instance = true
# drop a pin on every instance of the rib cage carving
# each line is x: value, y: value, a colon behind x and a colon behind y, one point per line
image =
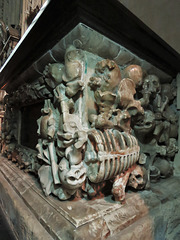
x: 109, y: 153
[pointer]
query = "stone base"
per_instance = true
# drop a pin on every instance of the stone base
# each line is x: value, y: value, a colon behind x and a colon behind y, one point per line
x: 146, y: 215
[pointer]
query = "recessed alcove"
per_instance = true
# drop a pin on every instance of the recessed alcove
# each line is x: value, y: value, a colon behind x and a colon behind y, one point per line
x: 28, y: 132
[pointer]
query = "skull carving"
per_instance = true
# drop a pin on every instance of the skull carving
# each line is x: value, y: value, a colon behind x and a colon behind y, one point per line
x: 138, y: 178
x: 151, y: 84
x: 72, y: 177
x: 53, y: 74
x: 145, y: 126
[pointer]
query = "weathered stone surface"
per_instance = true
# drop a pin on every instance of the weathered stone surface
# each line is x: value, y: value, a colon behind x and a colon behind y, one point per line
x: 177, y: 157
x: 24, y: 223
x: 92, y: 122
x: 140, y: 230
x: 147, y: 215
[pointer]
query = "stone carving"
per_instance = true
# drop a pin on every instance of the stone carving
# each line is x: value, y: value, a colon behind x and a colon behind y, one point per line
x: 53, y: 74
x: 90, y: 120
x: 138, y: 178
x: 47, y: 132
x: 101, y: 127
x: 157, y: 129
x: 26, y: 94
x: 132, y: 78
x: 9, y: 125
x: 104, y: 84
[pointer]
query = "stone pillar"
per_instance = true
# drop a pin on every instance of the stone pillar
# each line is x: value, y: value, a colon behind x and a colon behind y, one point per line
x: 177, y: 157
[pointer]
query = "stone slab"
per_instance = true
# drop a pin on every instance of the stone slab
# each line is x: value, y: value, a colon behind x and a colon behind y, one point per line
x: 34, y: 216
x: 21, y: 219
x: 77, y: 212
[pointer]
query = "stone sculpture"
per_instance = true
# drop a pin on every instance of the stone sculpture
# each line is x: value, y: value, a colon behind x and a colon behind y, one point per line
x: 89, y: 145
x: 100, y: 127
x: 157, y: 129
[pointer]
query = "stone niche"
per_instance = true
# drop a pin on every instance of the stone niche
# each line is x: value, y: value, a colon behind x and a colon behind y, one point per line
x: 95, y: 123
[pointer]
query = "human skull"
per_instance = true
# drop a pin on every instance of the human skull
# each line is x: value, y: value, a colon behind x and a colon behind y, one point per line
x: 72, y: 177
x: 169, y: 91
x: 151, y: 84
x: 135, y: 73
x: 53, y: 74
x: 138, y: 178
x: 164, y: 166
x: 145, y: 124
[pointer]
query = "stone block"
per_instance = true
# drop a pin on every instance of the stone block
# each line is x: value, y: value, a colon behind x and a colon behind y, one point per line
x: 22, y: 220
x: 144, y: 215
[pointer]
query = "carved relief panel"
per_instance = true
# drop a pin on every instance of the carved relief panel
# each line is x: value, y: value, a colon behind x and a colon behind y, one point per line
x: 102, y: 126
x: 86, y: 136
x: 85, y: 133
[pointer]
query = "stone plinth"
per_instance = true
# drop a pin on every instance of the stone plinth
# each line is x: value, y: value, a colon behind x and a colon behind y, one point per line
x: 144, y: 215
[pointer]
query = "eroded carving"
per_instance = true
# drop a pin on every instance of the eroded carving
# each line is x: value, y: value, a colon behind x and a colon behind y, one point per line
x: 100, y: 126
x: 90, y: 147
x: 105, y: 83
x: 132, y: 78
x: 157, y: 129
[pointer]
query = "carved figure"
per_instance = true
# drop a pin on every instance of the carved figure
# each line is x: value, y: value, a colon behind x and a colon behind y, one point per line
x: 150, y: 89
x: 47, y: 132
x: 53, y: 74
x: 68, y: 168
x: 145, y: 125
x: 74, y: 69
x: 104, y: 84
x: 157, y: 129
x: 132, y: 78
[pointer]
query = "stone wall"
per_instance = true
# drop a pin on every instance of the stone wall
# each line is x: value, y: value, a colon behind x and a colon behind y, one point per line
x: 10, y: 11
x: 161, y: 16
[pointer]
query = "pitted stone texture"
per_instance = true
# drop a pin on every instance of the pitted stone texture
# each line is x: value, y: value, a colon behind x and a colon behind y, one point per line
x: 146, y: 215
x: 22, y: 220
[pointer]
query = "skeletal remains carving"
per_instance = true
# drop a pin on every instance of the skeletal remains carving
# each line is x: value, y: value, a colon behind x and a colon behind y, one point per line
x: 95, y: 129
x: 109, y: 153
x: 138, y: 178
x: 157, y: 129
x: 88, y: 149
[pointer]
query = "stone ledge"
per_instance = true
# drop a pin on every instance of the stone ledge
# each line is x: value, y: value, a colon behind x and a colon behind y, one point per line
x: 34, y: 216
x: 23, y: 222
